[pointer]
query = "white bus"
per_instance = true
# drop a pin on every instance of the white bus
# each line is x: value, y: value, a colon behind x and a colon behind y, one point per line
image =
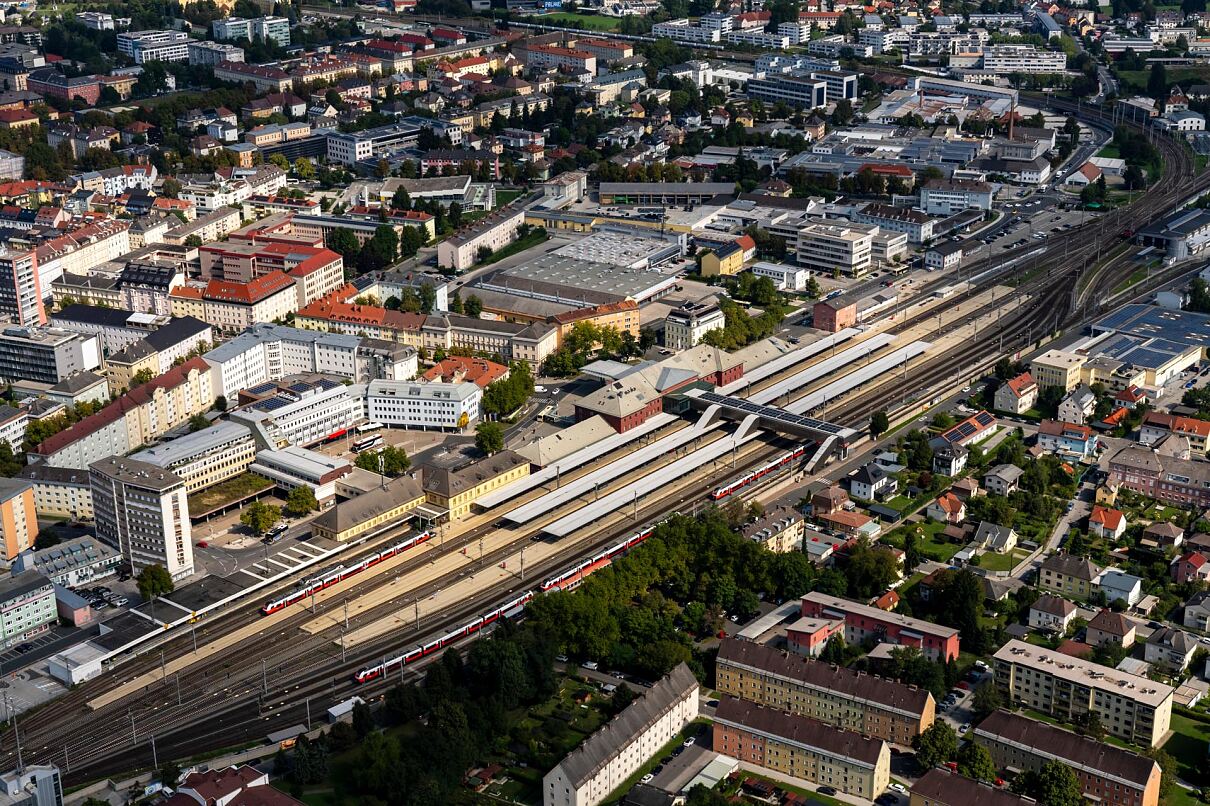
x: 367, y: 428
x: 365, y: 443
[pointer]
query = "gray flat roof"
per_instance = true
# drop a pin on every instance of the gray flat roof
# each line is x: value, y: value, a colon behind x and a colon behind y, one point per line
x: 187, y: 447
x: 573, y: 274
x: 669, y: 188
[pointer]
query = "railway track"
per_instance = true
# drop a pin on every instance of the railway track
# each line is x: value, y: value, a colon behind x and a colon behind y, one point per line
x: 207, y: 712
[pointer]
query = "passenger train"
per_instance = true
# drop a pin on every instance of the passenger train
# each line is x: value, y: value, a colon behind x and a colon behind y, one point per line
x: 752, y: 475
x: 563, y: 581
x: 330, y: 576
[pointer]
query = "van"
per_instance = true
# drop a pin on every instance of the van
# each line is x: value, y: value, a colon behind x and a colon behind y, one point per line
x: 590, y: 665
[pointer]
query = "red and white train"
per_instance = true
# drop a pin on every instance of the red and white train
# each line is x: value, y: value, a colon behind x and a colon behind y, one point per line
x: 760, y: 472
x: 560, y: 582
x: 331, y: 576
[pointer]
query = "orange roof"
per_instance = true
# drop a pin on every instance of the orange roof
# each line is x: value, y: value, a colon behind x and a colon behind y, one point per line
x: 1109, y: 518
x: 950, y: 503
x: 248, y: 293
x: 186, y: 292
x: 746, y: 242
x: 1194, y: 558
x: 478, y: 371
x: 1019, y: 384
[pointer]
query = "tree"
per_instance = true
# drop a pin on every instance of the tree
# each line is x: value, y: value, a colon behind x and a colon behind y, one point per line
x: 154, y: 581
x: 344, y: 243
x: 473, y: 306
x: 197, y: 422
x: 301, y: 500
x: 834, y: 650
x: 843, y: 114
x: 141, y: 377
x: 489, y: 438
x: 390, y: 461
x: 975, y: 762
x: 987, y: 698
x: 1157, y: 82
x: 936, y: 745
x: 401, y: 200
x: 171, y: 188
x: 304, y: 169
x: 870, y: 571
x: 879, y: 423
x: 170, y: 773
x: 260, y: 517
x: 1052, y: 785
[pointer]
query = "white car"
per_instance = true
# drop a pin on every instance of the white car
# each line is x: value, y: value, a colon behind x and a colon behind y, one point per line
x: 648, y: 778
x: 900, y: 788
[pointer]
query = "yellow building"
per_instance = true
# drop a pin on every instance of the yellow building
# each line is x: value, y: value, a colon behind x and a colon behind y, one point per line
x: 1057, y: 368
x: 726, y: 260
x: 384, y: 506
x: 18, y: 519
x: 1068, y: 576
x: 124, y: 365
x: 457, y: 490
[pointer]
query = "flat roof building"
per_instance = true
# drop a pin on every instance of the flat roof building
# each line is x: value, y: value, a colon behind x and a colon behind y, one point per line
x: 936, y: 642
x: 143, y: 510
x: 206, y: 457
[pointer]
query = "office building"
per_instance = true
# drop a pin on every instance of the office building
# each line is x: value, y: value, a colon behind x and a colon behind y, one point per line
x: 161, y: 46
x: 27, y: 607
x: 33, y: 784
x: 827, y: 247
x: 606, y: 759
x: 18, y: 517
x: 800, y: 92
x: 20, y: 287
x: 802, y: 747
x: 936, y: 642
x: 206, y: 457
x: 848, y: 699
x: 405, y: 404
x: 1006, y: 59
x: 46, y: 354
x: 1130, y: 707
x: 75, y: 562
x: 142, y: 509
x: 949, y: 196
x: 293, y: 467
x: 302, y: 413
x: 1057, y: 368
x: 1107, y: 774
x: 348, y: 148
x: 454, y: 491
x: 268, y: 29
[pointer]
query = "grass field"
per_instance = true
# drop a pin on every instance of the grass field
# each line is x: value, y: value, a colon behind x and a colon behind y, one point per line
x: 1188, y: 746
x: 1194, y: 74
x: 992, y: 561
x: 227, y: 492
x: 592, y: 22
x: 929, y: 541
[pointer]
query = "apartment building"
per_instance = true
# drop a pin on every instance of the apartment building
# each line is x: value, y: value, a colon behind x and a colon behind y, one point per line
x: 607, y: 758
x: 802, y: 747
x: 264, y: 78
x: 268, y: 352
x: 917, y: 225
x: 464, y: 248
x: 864, y: 703
x: 687, y: 325
x: 935, y: 642
x: 1165, y: 478
x: 1006, y: 59
x: 21, y: 287
x: 207, y: 457
x: 142, y: 509
x: 451, y: 406
x: 1073, y: 577
x: 1057, y: 368
x: 27, y: 607
x: 60, y: 492
x: 1107, y: 773
x: 780, y: 529
x: 234, y: 307
x: 46, y: 354
x: 268, y: 29
x: 1157, y: 425
x: 160, y: 46
x: 209, y: 54
x: 825, y: 247
x: 942, y: 787
x: 1130, y: 707
x: 18, y: 517
x: 209, y: 227
x: 683, y: 31
x: 72, y: 563
x: 542, y: 56
x: 1017, y: 395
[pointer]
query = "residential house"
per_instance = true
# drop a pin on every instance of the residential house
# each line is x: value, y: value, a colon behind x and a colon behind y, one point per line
x: 1051, y: 613
x: 1163, y: 535
x: 829, y: 500
x: 1108, y: 627
x: 994, y: 537
x: 1002, y: 479
x: 1071, y: 439
x: 1196, y: 615
x: 1117, y: 584
x: 872, y: 482
x: 1017, y: 395
x: 947, y: 508
x: 949, y: 459
x: 1106, y: 523
x: 1078, y: 406
x: 1190, y: 567
x: 1170, y: 649
x: 1068, y: 575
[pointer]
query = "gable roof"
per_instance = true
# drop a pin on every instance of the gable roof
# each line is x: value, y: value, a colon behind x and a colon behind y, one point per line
x: 1109, y: 518
x: 1110, y: 622
x: 1021, y: 384
x: 1067, y: 565
x: 1053, y: 605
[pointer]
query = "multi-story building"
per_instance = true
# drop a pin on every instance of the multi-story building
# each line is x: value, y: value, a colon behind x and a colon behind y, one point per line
x: 161, y: 46
x: 827, y: 247
x: 267, y: 352
x: 60, y: 492
x: 382, y: 508
x: 780, y: 529
x: 841, y: 84
x: 1165, y: 478
x: 688, y: 324
x: 606, y: 759
x: 1017, y: 395
x: 348, y: 148
x: 27, y: 607
x: 801, y: 92
x: 21, y: 287
x: 13, y: 423
x: 799, y: 746
x: 268, y: 29
x: 264, y: 78
x: 209, y: 54
x: 465, y: 248
x: 46, y: 354
x: 541, y: 56
x: 234, y: 307
x: 1157, y: 425
x: 72, y: 563
x: 949, y: 196
x: 866, y: 704
x: 1005, y: 59
x: 1074, y: 577
x: 143, y: 510
x: 1057, y: 368
x: 159, y: 351
x: 303, y: 413
x: 1069, y: 439
x: 935, y: 642
x: 33, y: 784
x: 293, y: 467
x: 917, y: 225
x: 206, y: 457
x: 423, y: 405
x: 18, y: 517
x: 209, y: 227
x: 455, y: 491
x: 1130, y: 707
x: 134, y: 419
x: 683, y: 31
x: 1106, y: 773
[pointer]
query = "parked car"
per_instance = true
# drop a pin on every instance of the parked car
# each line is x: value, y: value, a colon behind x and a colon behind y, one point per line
x: 826, y: 790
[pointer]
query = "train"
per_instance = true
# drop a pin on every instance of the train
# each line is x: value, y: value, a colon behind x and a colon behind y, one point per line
x: 752, y: 475
x: 330, y: 576
x: 560, y: 582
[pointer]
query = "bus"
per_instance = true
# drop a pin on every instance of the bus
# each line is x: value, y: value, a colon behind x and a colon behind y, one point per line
x: 365, y: 443
x: 367, y: 428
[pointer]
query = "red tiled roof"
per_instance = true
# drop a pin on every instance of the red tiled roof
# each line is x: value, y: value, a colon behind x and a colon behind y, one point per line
x: 478, y: 371
x: 248, y: 293
x: 1109, y: 518
x: 1019, y: 384
x: 1194, y: 558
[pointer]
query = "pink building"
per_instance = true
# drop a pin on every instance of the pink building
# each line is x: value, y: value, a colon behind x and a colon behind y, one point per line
x: 935, y: 642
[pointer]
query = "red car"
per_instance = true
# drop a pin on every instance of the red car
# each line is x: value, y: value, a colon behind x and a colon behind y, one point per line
x: 202, y: 544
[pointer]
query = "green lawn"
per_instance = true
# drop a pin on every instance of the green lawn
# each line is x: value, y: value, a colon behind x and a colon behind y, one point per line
x: 534, y: 238
x: 1192, y: 74
x: 993, y: 561
x: 1187, y: 745
x: 228, y: 492
x: 593, y: 22
x: 1137, y: 276
x: 1110, y: 152
x: 504, y: 197
x: 928, y: 541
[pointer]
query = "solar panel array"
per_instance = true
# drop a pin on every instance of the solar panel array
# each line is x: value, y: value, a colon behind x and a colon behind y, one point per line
x: 771, y: 413
x: 969, y: 427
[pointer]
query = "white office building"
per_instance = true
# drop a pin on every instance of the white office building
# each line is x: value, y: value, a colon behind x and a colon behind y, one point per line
x: 423, y: 405
x: 154, y: 46
x: 687, y: 325
x: 304, y: 418
x: 683, y: 31
x: 787, y: 278
x: 1006, y: 59
x: 827, y: 246
x: 142, y: 509
x: 269, y: 29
